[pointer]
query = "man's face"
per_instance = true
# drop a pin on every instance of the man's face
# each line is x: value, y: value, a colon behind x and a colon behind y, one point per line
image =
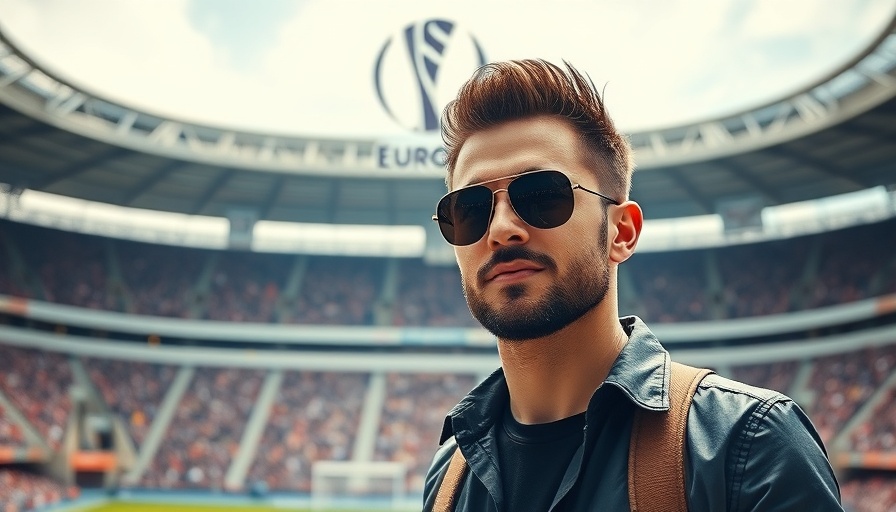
x: 522, y: 282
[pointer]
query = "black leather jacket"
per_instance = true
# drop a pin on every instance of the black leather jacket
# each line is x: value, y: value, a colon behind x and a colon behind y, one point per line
x: 747, y: 448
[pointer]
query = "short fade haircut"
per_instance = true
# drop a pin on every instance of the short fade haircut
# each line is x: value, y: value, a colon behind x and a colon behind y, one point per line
x: 518, y: 89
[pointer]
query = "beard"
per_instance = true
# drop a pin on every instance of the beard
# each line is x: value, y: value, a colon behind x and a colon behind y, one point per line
x: 523, y: 317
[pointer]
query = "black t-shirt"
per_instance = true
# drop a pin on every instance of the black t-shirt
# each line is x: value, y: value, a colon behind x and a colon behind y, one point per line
x: 534, y: 458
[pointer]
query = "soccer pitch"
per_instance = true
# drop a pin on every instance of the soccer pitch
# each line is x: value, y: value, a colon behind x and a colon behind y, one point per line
x: 192, y: 507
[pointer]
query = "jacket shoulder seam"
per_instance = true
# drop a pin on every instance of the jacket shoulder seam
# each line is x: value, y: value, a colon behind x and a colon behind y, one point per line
x: 774, y: 396
x: 744, y: 444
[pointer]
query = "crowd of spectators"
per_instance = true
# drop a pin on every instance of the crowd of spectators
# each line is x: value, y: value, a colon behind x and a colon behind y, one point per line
x: 160, y: 280
x: 21, y: 491
x: 338, y: 291
x: 70, y: 268
x: 315, y: 417
x: 671, y: 287
x: 778, y: 376
x: 413, y: 416
x: 131, y: 389
x: 206, y: 430
x: 762, y: 279
x: 245, y: 286
x: 844, y: 382
x: 730, y: 282
x: 845, y: 276
x: 430, y: 296
x: 876, y: 493
x: 10, y: 433
x: 878, y: 433
x: 37, y: 383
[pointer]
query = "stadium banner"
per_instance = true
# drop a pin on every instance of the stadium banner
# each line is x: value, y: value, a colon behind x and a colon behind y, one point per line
x: 866, y: 460
x: 93, y: 461
x: 18, y: 454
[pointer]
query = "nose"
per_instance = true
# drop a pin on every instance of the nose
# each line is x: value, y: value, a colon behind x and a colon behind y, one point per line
x: 506, y: 227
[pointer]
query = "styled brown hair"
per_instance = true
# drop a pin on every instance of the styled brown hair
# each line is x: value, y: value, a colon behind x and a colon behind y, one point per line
x: 517, y: 89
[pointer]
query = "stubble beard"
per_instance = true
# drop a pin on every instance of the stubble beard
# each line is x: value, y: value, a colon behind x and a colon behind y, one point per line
x: 522, y: 316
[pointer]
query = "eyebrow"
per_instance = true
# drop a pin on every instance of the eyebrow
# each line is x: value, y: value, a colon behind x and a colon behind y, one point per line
x: 527, y: 170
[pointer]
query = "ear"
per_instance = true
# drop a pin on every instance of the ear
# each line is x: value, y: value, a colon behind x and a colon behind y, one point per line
x: 627, y: 219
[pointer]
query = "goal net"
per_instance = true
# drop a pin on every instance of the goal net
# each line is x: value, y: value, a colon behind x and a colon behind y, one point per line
x: 352, y: 484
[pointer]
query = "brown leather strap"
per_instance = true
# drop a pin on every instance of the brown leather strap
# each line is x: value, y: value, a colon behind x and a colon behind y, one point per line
x: 656, y: 480
x: 448, y: 491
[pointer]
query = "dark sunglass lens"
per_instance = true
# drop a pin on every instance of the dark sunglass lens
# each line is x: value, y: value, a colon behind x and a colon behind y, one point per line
x: 543, y: 199
x: 464, y: 214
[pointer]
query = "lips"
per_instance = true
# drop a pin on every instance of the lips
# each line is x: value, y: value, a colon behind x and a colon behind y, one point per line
x: 516, y: 268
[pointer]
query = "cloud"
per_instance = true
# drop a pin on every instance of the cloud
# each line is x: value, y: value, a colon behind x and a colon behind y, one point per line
x: 308, y: 68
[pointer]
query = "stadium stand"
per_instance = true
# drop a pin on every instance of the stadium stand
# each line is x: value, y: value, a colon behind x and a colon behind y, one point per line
x: 876, y: 434
x: 869, y: 493
x: 10, y: 433
x: 430, y: 296
x: 37, y: 383
x: 157, y: 285
x: 195, y: 426
x: 778, y: 376
x: 21, y: 491
x: 315, y: 417
x: 408, y: 429
x: 845, y: 382
x: 206, y: 430
x: 732, y: 282
x: 132, y: 390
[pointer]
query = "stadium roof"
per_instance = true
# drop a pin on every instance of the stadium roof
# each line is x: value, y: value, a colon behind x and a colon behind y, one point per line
x: 831, y: 137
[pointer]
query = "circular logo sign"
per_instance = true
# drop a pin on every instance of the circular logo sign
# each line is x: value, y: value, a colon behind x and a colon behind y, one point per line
x: 420, y: 69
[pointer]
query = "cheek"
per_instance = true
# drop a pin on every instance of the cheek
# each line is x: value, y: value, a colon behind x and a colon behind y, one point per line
x: 465, y: 262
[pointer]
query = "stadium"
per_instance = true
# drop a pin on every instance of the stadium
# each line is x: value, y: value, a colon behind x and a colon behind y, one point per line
x: 200, y: 317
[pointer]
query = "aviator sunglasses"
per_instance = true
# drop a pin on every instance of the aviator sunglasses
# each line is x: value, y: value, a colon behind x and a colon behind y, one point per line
x: 543, y: 199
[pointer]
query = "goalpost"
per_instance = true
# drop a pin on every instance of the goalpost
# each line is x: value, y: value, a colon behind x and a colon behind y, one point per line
x: 349, y: 483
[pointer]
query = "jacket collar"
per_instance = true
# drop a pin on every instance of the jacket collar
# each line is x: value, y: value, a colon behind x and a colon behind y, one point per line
x: 641, y: 372
x: 642, y: 368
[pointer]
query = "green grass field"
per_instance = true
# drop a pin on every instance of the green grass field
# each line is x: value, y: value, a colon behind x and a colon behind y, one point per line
x: 171, y: 507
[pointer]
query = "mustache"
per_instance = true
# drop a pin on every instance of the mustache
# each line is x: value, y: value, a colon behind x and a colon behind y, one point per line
x: 515, y: 252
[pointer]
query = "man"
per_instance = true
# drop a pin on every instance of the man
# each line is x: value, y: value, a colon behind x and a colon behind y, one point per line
x: 540, y: 217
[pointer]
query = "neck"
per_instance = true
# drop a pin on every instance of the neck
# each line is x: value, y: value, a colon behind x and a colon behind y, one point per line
x: 554, y: 377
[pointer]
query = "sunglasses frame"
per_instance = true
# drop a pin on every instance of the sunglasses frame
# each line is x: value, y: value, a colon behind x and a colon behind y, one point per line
x: 512, y: 178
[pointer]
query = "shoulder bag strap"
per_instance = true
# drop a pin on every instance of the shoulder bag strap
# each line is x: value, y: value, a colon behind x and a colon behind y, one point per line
x: 450, y: 487
x: 656, y: 478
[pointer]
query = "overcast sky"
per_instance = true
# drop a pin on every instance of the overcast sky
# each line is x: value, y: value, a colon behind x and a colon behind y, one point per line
x: 307, y: 67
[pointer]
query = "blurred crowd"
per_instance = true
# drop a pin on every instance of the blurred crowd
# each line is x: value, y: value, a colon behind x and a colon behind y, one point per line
x: 21, y: 491
x: 878, y: 432
x: 10, y: 433
x: 206, y: 430
x: 132, y: 390
x: 37, y: 383
x: 679, y: 286
x: 875, y: 493
x: 844, y: 382
x: 430, y: 296
x: 315, y: 417
x: 778, y: 376
x: 413, y: 416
